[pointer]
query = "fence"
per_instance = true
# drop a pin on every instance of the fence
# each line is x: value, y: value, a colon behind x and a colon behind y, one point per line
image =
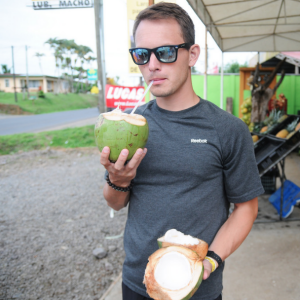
x: 290, y: 87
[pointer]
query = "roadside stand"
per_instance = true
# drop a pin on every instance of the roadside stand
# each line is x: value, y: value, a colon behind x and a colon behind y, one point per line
x: 270, y: 154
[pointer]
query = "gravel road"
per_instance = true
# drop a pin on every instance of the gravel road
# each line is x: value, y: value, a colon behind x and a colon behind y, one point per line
x: 52, y: 217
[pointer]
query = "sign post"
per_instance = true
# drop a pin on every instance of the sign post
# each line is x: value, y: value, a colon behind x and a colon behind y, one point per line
x: 92, y: 74
x: 98, y: 8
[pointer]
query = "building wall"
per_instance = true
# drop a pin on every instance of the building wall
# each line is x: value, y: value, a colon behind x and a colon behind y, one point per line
x: 42, y: 83
x: 290, y: 87
x: 231, y: 88
x: 10, y: 89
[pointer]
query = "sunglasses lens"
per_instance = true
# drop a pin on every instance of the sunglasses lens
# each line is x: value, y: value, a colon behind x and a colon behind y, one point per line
x: 166, y: 54
x: 140, y: 56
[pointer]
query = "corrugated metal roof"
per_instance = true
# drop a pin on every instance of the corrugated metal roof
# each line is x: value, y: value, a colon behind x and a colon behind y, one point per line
x: 251, y: 25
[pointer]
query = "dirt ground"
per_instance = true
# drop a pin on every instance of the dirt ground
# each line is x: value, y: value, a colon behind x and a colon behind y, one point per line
x: 53, y: 215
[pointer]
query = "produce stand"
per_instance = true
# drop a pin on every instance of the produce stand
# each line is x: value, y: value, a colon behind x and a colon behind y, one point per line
x: 270, y: 154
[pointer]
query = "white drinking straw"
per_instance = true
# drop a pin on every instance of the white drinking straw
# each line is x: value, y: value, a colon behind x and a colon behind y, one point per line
x: 149, y: 86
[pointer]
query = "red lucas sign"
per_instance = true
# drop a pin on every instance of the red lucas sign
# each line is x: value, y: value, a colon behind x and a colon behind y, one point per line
x: 126, y: 96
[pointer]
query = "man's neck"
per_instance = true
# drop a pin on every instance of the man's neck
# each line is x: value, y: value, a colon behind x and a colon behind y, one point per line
x: 184, y: 98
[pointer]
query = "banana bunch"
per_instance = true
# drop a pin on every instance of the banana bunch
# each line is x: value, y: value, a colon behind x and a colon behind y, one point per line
x: 246, y: 108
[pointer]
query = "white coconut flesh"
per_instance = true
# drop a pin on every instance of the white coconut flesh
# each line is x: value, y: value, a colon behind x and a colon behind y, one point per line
x: 173, y: 271
x: 118, y: 115
x: 177, y: 237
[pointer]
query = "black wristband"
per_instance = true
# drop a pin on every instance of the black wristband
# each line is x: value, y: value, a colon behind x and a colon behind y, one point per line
x: 215, y: 256
x: 118, y: 188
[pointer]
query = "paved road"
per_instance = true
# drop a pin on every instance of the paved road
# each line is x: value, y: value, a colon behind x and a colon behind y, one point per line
x: 36, y: 123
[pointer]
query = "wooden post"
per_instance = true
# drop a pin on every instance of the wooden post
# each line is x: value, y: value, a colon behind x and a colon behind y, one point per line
x: 151, y: 2
x: 229, y: 103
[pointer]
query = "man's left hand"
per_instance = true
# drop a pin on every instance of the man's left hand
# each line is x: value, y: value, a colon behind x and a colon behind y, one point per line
x: 207, y: 269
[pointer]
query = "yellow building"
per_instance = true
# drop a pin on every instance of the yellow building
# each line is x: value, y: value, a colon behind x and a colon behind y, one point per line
x: 45, y: 83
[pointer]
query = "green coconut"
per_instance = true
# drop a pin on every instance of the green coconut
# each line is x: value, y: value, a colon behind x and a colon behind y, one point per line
x: 173, y: 273
x: 118, y: 130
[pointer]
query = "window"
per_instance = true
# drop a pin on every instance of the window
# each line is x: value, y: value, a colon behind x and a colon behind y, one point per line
x: 6, y: 82
x: 34, y: 83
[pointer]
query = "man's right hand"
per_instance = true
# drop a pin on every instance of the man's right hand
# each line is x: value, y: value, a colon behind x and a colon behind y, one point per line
x: 119, y: 173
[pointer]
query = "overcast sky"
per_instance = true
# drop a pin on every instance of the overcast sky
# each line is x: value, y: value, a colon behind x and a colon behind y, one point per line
x: 21, y: 25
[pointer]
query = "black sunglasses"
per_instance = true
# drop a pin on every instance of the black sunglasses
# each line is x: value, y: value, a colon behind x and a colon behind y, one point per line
x: 165, y: 54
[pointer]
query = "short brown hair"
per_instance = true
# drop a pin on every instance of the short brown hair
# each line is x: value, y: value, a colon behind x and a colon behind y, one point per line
x: 165, y: 10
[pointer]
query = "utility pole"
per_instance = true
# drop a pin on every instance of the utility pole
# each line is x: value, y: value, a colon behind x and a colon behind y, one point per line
x: 27, y: 80
x: 98, y: 9
x: 14, y: 75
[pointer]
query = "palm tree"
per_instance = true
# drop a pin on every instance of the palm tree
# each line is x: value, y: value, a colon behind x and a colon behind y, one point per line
x: 81, y: 51
x: 55, y: 44
x: 69, y: 46
x: 64, y: 51
x: 5, y: 69
x: 39, y: 55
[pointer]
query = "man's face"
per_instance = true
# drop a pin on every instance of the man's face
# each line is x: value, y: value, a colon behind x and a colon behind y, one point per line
x: 168, y: 77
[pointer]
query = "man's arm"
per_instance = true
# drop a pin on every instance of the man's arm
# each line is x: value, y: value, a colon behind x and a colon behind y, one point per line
x: 233, y: 232
x: 115, y: 199
x: 120, y: 175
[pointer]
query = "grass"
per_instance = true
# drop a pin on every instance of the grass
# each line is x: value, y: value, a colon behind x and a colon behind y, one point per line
x: 51, y: 103
x: 65, y: 138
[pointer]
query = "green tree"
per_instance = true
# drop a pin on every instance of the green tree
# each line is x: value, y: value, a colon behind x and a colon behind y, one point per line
x: 233, y: 67
x: 67, y: 53
x: 5, y: 69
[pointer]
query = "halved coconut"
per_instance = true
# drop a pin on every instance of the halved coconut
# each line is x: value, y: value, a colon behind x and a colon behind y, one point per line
x: 119, y: 130
x: 174, y: 237
x: 173, y: 273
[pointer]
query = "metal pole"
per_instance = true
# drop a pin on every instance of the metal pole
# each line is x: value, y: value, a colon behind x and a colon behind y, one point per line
x: 101, y: 16
x: 14, y: 75
x: 98, y: 9
x: 222, y: 81
x: 205, y: 70
x: 28, y: 95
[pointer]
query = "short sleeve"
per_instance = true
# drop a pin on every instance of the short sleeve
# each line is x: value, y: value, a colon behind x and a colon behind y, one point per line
x: 241, y: 179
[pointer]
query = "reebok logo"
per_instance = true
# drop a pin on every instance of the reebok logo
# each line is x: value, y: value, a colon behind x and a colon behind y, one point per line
x: 199, y: 141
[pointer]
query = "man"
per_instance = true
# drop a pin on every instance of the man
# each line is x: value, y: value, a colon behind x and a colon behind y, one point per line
x: 198, y: 159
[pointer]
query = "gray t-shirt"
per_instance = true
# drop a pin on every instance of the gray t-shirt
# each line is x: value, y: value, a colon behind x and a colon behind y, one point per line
x: 198, y: 161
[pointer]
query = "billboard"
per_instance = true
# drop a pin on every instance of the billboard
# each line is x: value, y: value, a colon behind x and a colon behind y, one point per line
x: 126, y: 96
x: 61, y: 4
x: 133, y: 9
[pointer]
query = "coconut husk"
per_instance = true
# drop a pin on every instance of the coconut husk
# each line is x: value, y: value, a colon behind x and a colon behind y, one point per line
x: 201, y: 248
x: 154, y: 290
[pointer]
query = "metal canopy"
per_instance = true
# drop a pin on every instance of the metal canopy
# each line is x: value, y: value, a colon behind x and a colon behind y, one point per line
x: 251, y: 25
